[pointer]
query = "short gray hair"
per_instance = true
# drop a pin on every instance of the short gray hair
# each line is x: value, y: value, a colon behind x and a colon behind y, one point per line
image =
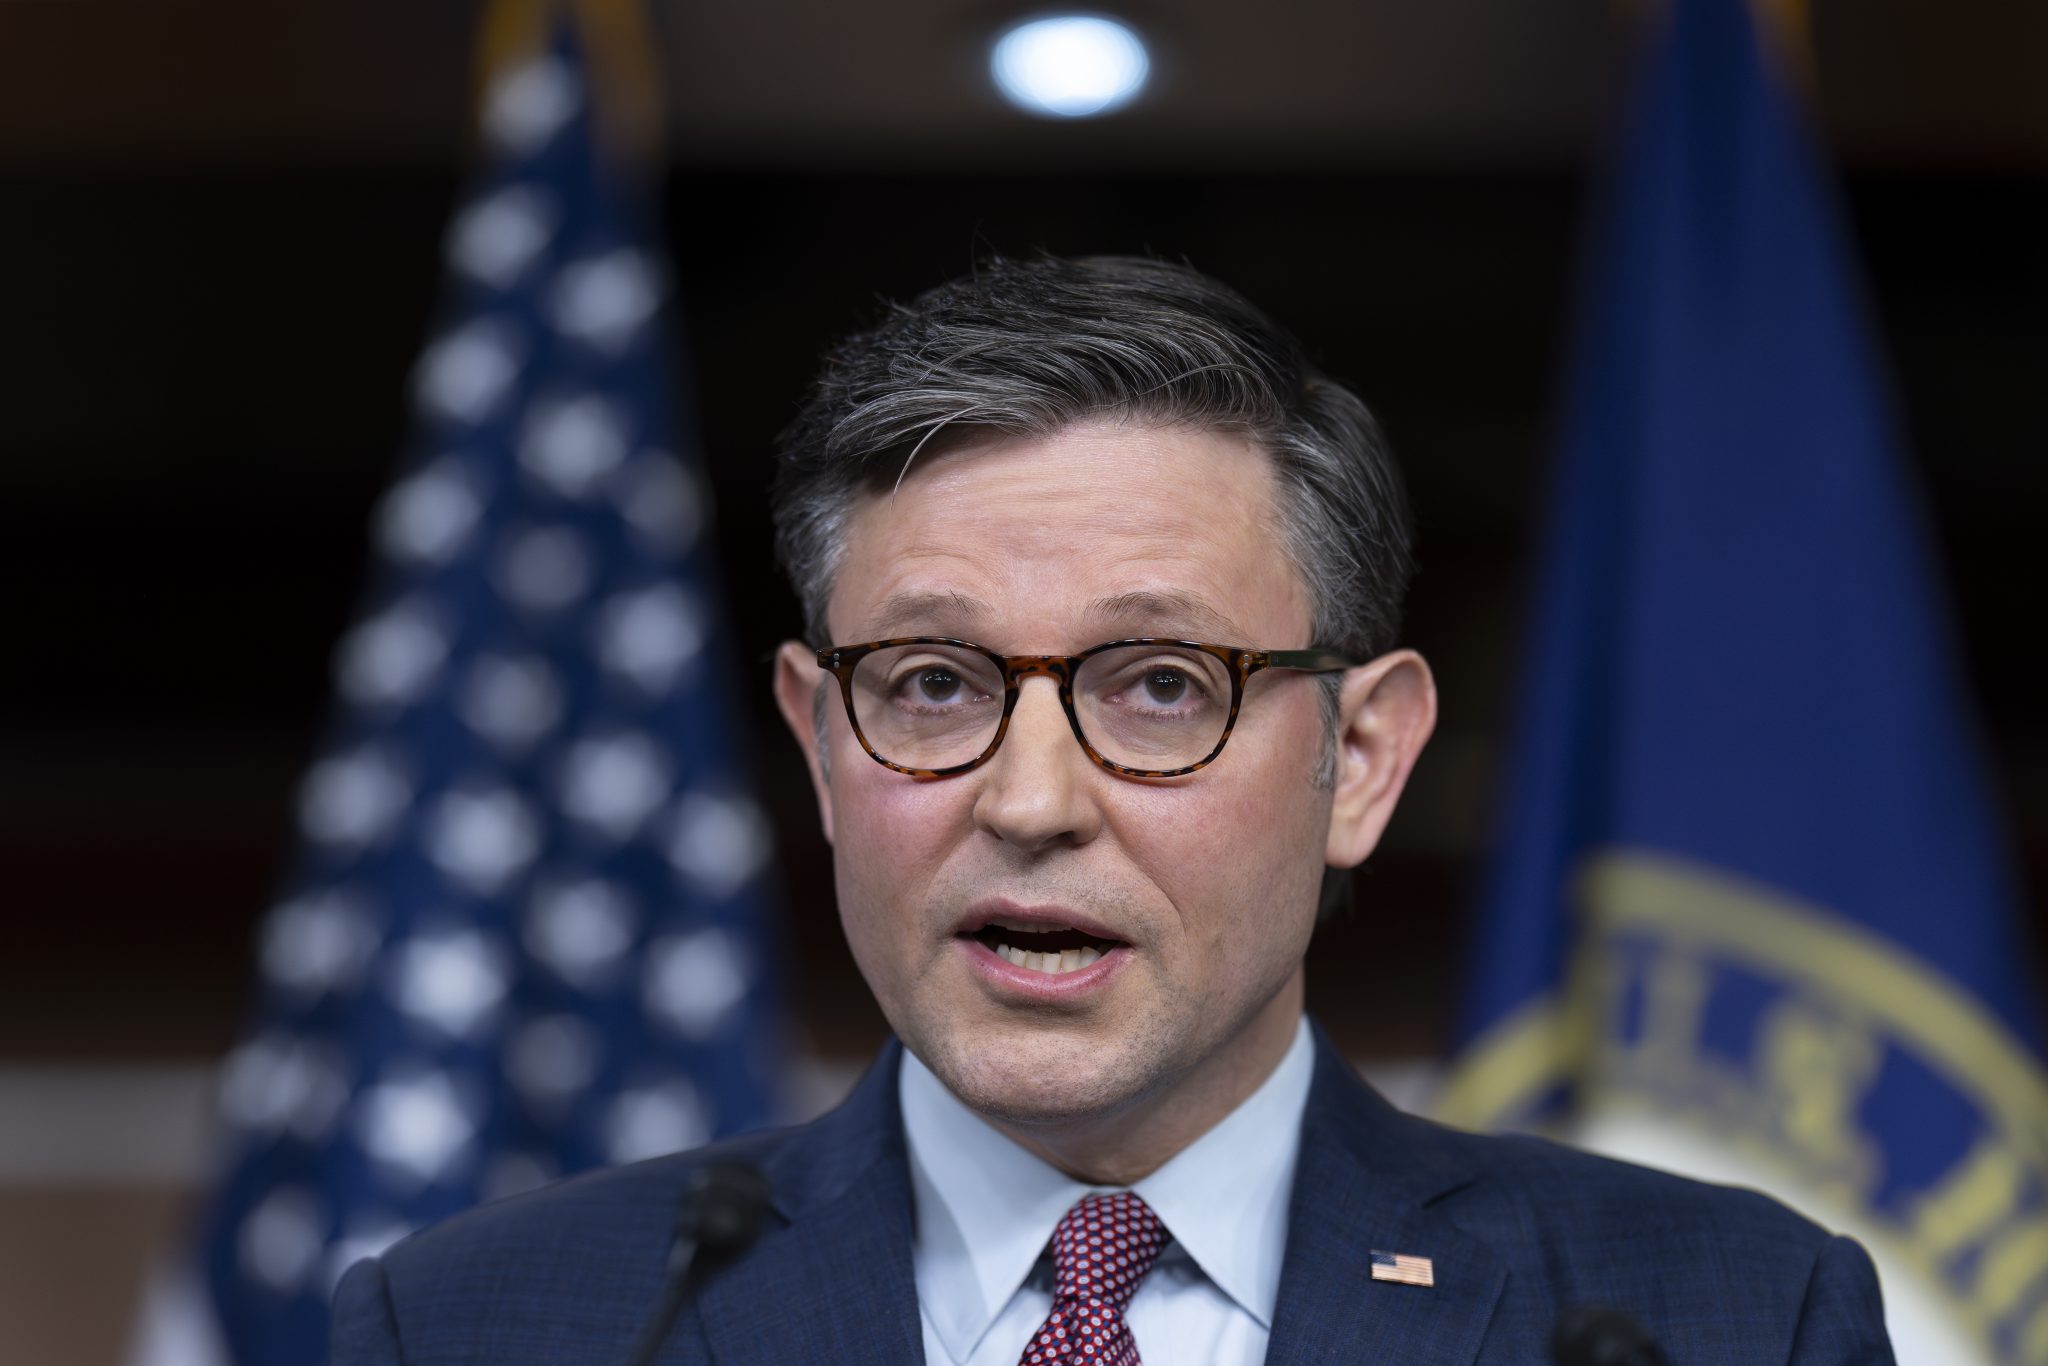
x: 1027, y: 348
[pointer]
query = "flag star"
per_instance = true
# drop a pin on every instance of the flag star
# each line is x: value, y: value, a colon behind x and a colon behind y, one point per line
x: 248, y: 1097
x: 544, y: 569
x: 612, y: 784
x: 694, y: 980
x: 466, y: 374
x: 319, y: 942
x: 718, y: 843
x: 281, y: 1239
x: 393, y: 657
x: 352, y: 799
x: 571, y: 444
x: 648, y: 635
x: 417, y: 1125
x: 528, y: 105
x: 482, y: 837
x: 661, y: 503
x: 582, y: 930
x: 429, y: 517
x: 497, y: 238
x: 511, y: 701
x: 453, y: 981
x: 648, y: 1121
x: 605, y: 300
x: 552, y: 1058
x: 276, y: 1084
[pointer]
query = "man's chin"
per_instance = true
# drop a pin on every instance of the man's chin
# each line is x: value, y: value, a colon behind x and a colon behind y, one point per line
x: 1041, y: 1079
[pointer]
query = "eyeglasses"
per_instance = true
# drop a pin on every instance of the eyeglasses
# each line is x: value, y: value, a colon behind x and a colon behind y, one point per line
x: 1145, y: 707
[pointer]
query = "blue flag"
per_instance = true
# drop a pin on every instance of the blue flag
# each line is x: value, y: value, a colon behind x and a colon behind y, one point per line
x: 1749, y: 880
x: 526, y: 931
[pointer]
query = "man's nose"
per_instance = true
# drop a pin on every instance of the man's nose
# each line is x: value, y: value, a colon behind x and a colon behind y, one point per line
x: 1039, y: 787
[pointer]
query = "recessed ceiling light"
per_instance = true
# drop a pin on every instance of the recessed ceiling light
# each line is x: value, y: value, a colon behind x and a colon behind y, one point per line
x: 1069, y: 65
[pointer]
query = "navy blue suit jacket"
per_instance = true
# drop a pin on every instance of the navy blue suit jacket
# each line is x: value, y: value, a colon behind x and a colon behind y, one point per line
x: 1519, y: 1231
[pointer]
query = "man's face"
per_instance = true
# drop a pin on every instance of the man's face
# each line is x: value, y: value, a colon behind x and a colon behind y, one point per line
x: 1208, y: 882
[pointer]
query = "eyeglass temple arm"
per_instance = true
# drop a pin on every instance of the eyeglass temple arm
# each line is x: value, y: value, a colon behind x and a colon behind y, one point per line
x: 1310, y: 661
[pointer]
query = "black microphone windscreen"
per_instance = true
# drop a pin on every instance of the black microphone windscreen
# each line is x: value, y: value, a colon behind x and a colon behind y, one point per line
x: 723, y: 1208
x: 1592, y: 1336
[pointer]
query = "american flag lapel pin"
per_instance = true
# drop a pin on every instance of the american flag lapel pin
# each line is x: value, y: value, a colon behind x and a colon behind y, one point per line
x: 1403, y: 1269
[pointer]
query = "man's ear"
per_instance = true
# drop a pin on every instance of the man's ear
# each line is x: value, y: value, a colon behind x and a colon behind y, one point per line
x: 1385, y: 713
x: 797, y: 680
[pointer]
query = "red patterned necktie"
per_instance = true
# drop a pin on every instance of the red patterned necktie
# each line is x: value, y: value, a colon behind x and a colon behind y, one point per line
x: 1101, y: 1250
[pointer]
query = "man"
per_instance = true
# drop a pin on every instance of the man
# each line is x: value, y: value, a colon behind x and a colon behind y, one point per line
x: 1102, y: 582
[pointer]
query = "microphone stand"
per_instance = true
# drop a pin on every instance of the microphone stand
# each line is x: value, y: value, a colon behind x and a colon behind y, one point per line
x: 718, y: 1218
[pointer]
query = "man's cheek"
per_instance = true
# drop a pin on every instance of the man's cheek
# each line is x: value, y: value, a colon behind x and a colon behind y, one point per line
x: 894, y: 833
x: 1200, y: 844
x: 879, y: 801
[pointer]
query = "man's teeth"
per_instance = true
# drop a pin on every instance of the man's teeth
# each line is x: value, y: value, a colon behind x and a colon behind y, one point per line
x: 1066, y: 960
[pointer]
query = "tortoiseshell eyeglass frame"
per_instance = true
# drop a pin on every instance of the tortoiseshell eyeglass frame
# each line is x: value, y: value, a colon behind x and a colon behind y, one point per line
x: 840, y: 660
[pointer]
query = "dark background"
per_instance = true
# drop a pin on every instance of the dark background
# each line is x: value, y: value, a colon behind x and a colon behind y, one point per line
x: 219, y: 239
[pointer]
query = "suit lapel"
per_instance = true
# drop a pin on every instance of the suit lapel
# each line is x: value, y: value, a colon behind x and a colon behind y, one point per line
x: 1368, y: 1180
x: 836, y: 1282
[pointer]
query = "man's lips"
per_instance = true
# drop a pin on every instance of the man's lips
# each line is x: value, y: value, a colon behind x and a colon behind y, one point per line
x: 1044, y: 952
x: 1036, y: 985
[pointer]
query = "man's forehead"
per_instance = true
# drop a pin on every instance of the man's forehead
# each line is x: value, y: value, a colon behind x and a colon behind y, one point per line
x: 1092, y: 533
x: 1138, y: 611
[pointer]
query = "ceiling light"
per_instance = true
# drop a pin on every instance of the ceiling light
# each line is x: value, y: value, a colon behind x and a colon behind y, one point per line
x: 1069, y: 66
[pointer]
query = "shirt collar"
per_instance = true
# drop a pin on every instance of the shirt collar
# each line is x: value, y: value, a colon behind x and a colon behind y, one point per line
x: 1225, y: 1195
x: 986, y: 1207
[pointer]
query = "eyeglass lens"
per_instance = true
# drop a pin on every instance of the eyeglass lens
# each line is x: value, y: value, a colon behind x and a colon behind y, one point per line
x: 1142, y: 706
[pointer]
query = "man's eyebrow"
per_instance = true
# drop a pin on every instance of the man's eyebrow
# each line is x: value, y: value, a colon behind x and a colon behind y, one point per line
x: 1169, y: 606
x: 901, y: 611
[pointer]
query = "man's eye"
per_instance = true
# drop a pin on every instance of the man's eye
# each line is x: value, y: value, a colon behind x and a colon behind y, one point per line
x: 1165, y: 686
x: 937, y: 685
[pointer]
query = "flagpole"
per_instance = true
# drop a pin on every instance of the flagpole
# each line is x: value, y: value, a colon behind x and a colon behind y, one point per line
x: 511, y: 31
x: 621, y: 50
x: 626, y: 69
x: 1787, y: 30
x: 1786, y: 27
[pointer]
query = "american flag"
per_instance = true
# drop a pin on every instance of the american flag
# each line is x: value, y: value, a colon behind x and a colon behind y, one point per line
x: 525, y: 934
x: 1403, y: 1269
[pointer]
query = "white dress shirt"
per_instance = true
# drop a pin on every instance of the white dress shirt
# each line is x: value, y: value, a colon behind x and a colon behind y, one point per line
x: 986, y: 1209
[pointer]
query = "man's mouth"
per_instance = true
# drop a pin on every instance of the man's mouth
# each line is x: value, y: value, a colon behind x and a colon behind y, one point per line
x: 1043, y: 948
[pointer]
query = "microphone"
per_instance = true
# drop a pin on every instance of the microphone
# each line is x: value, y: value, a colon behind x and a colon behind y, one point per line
x: 718, y: 1218
x: 1592, y: 1336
